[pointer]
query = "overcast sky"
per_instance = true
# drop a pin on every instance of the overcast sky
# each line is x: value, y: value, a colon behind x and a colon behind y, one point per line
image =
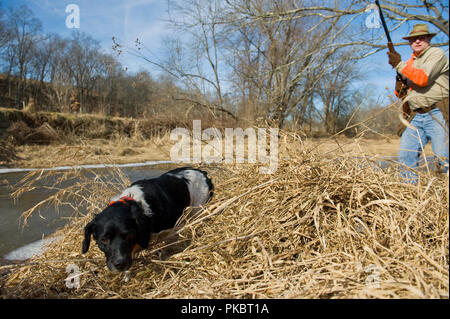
x: 144, y: 19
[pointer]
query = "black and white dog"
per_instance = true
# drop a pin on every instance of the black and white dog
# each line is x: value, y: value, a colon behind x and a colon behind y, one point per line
x: 146, y: 207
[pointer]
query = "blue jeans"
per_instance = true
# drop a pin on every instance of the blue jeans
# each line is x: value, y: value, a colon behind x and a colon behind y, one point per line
x: 412, y: 141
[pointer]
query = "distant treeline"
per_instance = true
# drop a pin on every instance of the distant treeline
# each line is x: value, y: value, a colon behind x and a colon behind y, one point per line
x: 45, y: 71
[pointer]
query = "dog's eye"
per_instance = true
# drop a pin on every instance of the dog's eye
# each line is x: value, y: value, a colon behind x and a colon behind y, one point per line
x: 104, y: 241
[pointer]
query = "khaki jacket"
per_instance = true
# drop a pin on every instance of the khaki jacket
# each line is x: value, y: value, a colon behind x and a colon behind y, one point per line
x: 427, y: 77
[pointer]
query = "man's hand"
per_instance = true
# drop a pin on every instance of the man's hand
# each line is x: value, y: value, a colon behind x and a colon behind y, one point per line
x: 401, y: 88
x: 394, y: 58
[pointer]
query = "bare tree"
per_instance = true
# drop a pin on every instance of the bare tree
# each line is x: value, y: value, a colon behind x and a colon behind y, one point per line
x: 59, y: 78
x: 108, y: 85
x: 352, y: 14
x: 194, y: 57
x: 273, y: 61
x: 433, y: 12
x: 24, y: 29
x: 280, y: 59
x: 335, y: 93
x: 4, y: 32
x: 312, y: 62
x: 84, y: 65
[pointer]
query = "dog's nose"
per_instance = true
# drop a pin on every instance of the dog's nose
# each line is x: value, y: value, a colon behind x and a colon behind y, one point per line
x: 120, y: 264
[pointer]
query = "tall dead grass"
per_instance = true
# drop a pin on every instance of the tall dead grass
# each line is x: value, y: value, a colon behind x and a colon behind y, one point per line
x: 323, y: 226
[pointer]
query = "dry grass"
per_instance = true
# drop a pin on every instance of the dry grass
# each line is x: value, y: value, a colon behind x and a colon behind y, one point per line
x: 117, y: 150
x: 380, y: 147
x: 135, y: 149
x: 325, y: 225
x: 38, y: 139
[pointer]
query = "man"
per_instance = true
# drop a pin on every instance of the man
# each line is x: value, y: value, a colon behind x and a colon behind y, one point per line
x: 426, y: 92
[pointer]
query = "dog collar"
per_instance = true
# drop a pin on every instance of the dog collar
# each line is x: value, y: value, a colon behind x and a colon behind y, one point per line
x: 122, y: 199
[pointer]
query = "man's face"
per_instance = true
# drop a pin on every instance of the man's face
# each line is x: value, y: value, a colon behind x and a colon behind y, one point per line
x: 420, y: 43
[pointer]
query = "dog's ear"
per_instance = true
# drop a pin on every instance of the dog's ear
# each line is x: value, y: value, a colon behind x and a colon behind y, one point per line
x: 143, y: 223
x: 88, y: 230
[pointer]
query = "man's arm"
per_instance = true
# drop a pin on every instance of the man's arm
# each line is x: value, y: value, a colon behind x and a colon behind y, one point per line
x: 428, y: 72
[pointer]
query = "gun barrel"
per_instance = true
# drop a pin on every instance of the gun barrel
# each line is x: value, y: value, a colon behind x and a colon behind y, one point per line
x: 383, y: 22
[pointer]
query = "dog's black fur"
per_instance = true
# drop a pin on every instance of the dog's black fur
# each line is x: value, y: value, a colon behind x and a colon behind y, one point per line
x: 125, y: 223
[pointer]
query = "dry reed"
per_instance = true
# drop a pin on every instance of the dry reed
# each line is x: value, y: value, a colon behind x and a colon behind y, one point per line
x: 323, y: 226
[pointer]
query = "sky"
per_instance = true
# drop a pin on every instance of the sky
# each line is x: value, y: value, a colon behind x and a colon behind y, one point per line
x: 102, y: 19
x: 127, y: 20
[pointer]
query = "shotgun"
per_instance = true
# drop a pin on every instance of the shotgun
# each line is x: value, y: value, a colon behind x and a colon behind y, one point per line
x: 398, y: 77
x: 383, y: 22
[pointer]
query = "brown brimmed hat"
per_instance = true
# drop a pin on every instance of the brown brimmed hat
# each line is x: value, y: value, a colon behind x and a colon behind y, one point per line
x: 418, y: 30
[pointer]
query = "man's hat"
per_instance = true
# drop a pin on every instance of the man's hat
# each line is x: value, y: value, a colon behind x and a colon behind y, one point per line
x: 418, y: 30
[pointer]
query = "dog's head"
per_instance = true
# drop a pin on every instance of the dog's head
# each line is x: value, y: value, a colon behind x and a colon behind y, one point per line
x: 118, y: 229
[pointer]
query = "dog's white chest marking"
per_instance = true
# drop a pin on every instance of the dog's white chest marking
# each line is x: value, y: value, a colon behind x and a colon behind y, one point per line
x: 197, y: 185
x: 137, y: 194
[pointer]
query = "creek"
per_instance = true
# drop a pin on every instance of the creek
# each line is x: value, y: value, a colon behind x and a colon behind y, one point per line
x: 18, y: 241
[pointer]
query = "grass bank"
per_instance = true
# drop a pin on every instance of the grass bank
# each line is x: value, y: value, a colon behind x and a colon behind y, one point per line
x: 43, y: 139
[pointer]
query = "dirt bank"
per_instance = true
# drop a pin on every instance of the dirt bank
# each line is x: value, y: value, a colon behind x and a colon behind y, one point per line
x: 69, y: 125
x: 36, y: 139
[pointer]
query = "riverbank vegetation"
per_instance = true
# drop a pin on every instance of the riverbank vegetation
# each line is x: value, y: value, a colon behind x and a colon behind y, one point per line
x: 37, y: 139
x: 319, y: 227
